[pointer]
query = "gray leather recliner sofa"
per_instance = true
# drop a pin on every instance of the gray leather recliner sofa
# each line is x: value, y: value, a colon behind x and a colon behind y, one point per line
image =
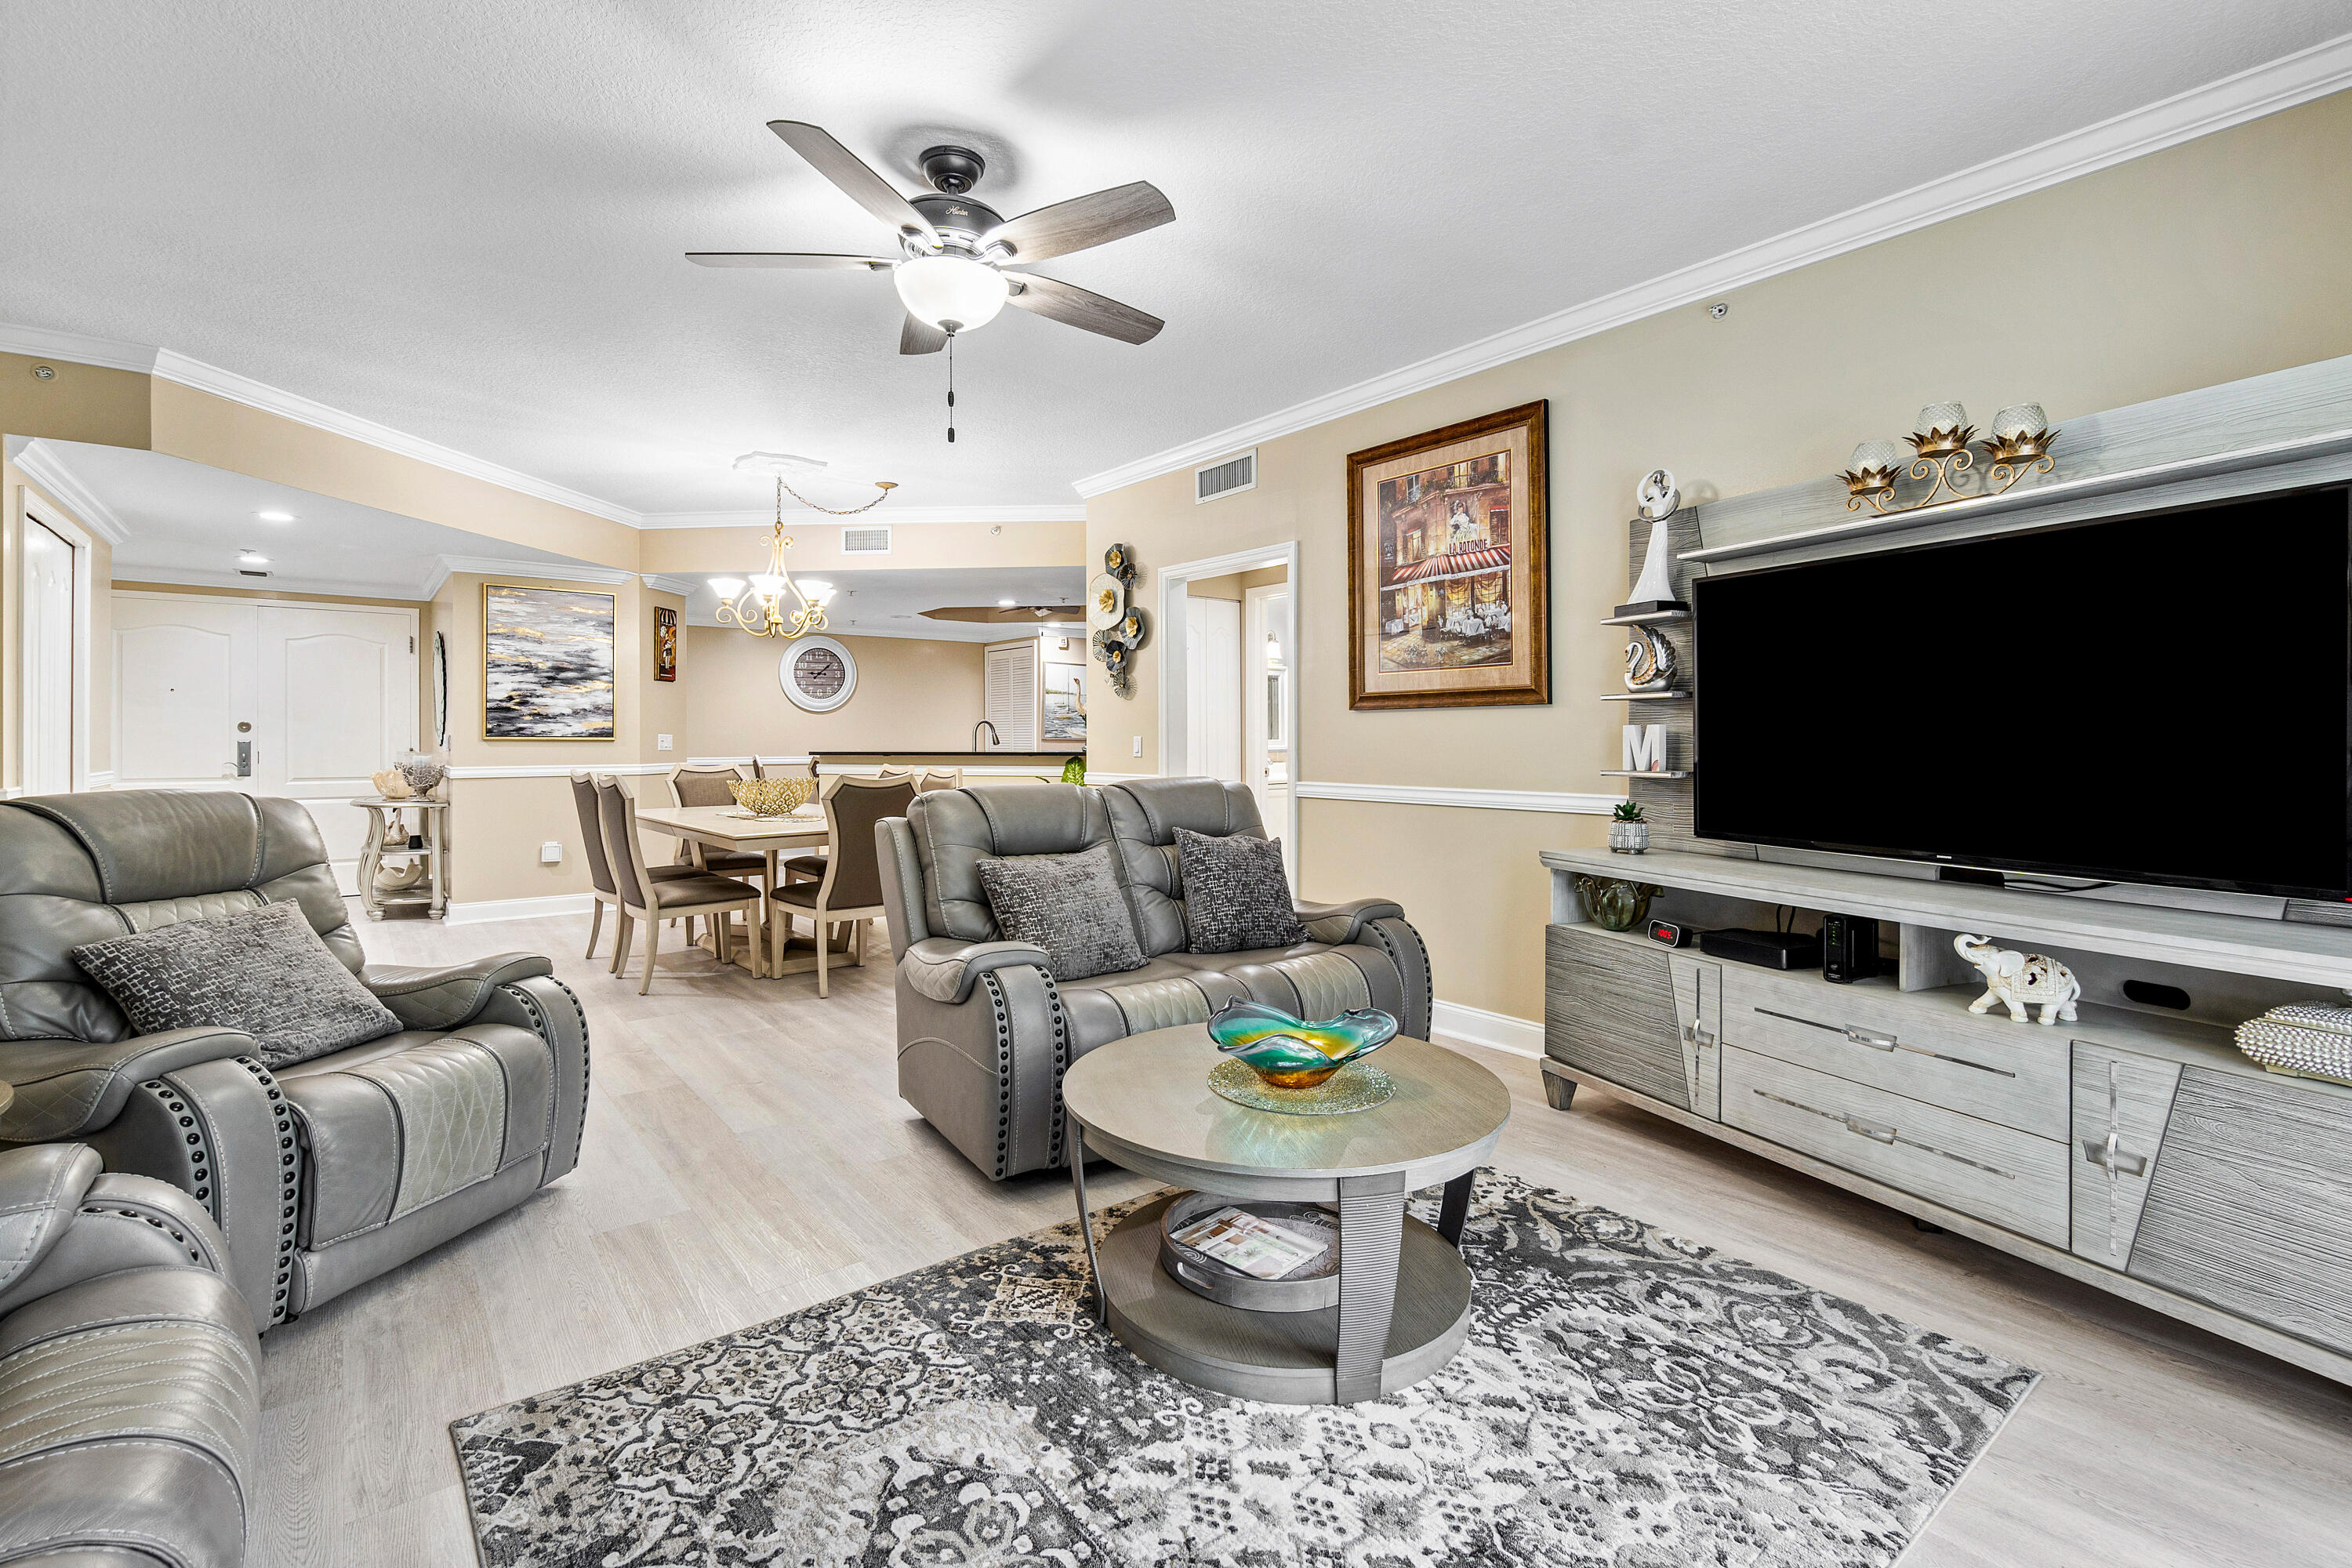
x: 325, y: 1173
x: 984, y: 1031
x: 130, y: 1378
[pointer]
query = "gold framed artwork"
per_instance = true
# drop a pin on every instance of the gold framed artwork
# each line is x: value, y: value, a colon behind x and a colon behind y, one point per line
x: 547, y: 664
x: 1449, y: 593
x: 665, y: 643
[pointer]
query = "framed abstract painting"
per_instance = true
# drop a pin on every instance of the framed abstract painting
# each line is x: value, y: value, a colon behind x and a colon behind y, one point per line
x: 1449, y: 593
x: 665, y: 643
x: 547, y: 664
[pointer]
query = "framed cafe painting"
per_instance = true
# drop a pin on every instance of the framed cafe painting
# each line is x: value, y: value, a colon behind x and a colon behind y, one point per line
x: 1448, y: 591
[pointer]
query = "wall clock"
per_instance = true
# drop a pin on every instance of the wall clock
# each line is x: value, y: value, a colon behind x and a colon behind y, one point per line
x: 818, y: 674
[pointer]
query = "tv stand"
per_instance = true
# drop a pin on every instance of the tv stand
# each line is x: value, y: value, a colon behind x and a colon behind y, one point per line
x: 2134, y: 1148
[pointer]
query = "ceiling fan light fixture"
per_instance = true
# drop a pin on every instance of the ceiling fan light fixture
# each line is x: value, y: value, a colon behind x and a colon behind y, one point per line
x: 942, y: 290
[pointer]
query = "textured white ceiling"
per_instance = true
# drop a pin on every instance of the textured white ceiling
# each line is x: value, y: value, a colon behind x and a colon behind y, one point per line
x: 466, y: 220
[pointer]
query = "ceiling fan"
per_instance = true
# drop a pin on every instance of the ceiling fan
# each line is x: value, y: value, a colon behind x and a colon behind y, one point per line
x: 955, y: 267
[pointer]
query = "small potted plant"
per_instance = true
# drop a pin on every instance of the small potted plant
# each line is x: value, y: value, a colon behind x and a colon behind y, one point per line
x: 1628, y: 830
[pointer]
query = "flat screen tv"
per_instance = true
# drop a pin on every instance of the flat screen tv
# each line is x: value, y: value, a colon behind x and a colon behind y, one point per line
x: 2160, y: 697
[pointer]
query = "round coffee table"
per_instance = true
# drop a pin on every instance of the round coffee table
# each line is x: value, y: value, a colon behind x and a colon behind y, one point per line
x: 1144, y: 1102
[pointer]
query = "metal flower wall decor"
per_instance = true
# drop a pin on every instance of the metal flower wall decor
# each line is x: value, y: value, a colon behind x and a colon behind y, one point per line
x: 1117, y: 626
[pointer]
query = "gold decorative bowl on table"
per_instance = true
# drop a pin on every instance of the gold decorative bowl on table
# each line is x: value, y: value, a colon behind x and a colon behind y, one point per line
x: 772, y: 798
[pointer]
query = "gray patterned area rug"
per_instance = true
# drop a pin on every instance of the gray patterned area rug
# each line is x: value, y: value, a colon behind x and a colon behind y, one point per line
x: 1625, y: 1399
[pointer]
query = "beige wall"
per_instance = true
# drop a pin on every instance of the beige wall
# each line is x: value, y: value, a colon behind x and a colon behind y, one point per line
x: 913, y: 694
x: 817, y: 546
x: 1236, y: 584
x: 2222, y: 258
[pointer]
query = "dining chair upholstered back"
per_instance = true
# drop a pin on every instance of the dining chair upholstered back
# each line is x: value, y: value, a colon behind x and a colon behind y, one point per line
x: 939, y: 778
x: 690, y: 785
x: 632, y: 879
x: 592, y: 835
x: 852, y: 869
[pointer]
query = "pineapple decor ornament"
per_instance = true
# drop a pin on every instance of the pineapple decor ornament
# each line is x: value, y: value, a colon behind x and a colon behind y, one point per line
x: 1629, y: 828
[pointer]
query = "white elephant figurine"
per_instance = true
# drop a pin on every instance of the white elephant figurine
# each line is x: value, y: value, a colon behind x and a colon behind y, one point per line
x: 2018, y: 980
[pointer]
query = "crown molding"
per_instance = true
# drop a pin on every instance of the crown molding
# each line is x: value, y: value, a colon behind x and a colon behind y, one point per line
x: 540, y: 571
x: 76, y: 348
x: 663, y: 583
x: 275, y: 582
x: 38, y: 464
x: 174, y: 365
x: 2250, y: 95
x: 1058, y: 512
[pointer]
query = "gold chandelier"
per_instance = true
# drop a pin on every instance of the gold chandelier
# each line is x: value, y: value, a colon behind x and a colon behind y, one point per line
x: 756, y: 605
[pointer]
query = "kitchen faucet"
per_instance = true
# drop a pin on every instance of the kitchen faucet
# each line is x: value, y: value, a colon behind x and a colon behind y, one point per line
x: 992, y: 735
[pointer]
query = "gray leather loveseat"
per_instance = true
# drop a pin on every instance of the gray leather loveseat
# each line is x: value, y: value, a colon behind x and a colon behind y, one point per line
x: 328, y: 1172
x: 130, y: 1379
x: 985, y: 1032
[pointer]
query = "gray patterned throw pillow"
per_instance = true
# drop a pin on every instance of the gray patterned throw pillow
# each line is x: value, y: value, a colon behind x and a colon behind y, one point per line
x: 263, y: 970
x: 1235, y: 895
x: 1073, y: 906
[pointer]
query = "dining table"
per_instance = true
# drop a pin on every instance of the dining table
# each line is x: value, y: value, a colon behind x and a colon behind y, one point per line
x: 732, y: 828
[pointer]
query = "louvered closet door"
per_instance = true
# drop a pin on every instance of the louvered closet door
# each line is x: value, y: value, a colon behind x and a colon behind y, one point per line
x: 1013, y: 694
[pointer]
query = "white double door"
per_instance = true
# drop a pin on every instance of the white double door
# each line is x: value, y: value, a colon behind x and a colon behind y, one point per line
x: 300, y: 700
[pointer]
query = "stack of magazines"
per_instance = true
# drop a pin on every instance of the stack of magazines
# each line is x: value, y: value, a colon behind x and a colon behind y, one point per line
x: 1249, y: 1244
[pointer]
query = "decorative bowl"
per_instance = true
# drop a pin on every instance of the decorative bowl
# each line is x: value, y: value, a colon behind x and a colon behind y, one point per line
x: 772, y: 798
x: 1614, y: 904
x: 1290, y: 1053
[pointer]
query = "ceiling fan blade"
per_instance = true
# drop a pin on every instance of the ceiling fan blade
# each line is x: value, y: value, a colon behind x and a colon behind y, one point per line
x: 919, y: 337
x: 1076, y: 306
x: 1083, y: 222
x: 860, y: 183
x: 803, y: 260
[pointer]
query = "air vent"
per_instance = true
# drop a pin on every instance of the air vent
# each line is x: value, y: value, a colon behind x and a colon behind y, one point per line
x: 1229, y: 477
x: 866, y: 541
x: 249, y: 571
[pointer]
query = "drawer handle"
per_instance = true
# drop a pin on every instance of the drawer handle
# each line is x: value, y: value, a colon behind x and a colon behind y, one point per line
x: 1879, y: 1041
x: 1879, y: 1132
x: 1694, y: 1035
x: 2109, y: 1154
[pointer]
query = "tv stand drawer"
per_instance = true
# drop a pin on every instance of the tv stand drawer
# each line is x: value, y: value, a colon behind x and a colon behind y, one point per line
x: 2009, y: 1178
x: 1923, y: 1046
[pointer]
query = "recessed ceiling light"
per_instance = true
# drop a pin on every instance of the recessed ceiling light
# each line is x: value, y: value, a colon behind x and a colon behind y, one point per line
x: 1004, y: 603
x: 277, y: 516
x: 247, y: 557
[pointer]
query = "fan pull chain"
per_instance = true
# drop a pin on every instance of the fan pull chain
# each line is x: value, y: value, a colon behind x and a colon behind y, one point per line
x: 952, y: 389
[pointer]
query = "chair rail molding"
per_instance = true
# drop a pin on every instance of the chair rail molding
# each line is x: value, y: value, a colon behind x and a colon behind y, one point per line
x: 1460, y: 795
x: 2264, y: 89
x: 561, y: 770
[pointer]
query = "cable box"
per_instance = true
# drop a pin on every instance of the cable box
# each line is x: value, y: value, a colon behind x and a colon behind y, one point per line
x: 1771, y: 949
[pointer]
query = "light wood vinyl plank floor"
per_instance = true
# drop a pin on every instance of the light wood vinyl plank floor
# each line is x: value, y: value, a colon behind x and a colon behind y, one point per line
x: 747, y: 1155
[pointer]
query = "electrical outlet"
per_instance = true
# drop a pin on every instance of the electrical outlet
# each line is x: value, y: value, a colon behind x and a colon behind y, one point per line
x: 1139, y: 747
x: 551, y: 853
x: 661, y: 742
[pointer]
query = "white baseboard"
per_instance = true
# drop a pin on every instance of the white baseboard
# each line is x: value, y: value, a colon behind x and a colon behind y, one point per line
x: 489, y: 910
x: 1520, y: 1036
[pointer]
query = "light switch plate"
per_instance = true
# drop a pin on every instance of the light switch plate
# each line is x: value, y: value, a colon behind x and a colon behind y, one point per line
x: 661, y: 742
x: 1139, y: 747
x: 551, y: 853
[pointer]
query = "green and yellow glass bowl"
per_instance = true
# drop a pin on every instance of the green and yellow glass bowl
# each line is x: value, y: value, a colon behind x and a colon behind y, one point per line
x: 1290, y: 1053
x: 771, y: 797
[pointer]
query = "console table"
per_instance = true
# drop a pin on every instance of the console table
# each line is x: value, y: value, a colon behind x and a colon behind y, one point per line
x: 2136, y: 1149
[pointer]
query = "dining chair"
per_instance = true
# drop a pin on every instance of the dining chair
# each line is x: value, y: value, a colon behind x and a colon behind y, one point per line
x: 939, y: 778
x: 707, y: 785
x: 642, y: 896
x: 850, y: 890
x: 600, y: 866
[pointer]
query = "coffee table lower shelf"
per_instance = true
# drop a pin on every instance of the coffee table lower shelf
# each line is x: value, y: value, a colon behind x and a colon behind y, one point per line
x: 1283, y: 1358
